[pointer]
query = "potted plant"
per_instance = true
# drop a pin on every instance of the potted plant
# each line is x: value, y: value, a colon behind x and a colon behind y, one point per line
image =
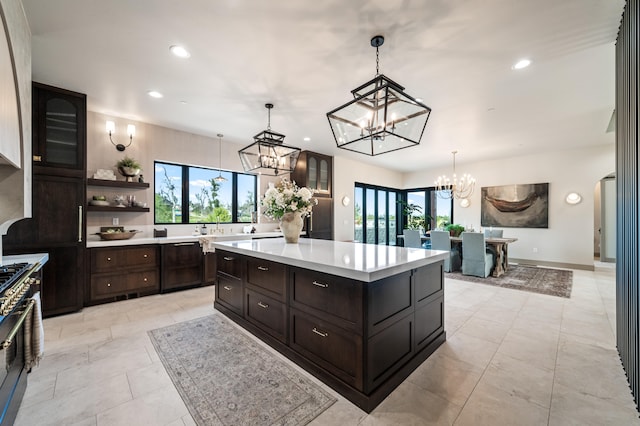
x: 454, y: 229
x: 128, y: 167
x: 414, y: 218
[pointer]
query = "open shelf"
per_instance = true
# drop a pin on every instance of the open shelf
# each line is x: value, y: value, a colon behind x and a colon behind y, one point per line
x: 116, y: 183
x: 91, y: 208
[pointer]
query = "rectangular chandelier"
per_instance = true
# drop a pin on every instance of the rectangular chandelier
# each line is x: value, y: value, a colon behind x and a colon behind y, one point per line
x: 269, y: 153
x: 381, y: 118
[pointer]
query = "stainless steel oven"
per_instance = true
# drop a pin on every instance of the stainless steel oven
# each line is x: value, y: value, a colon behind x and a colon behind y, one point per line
x: 15, y: 305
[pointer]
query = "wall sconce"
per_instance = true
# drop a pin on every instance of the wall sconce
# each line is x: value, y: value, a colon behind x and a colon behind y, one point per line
x: 573, y: 198
x: 131, y: 131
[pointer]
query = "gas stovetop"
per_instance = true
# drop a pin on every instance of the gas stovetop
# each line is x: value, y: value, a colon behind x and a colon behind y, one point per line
x: 11, y: 273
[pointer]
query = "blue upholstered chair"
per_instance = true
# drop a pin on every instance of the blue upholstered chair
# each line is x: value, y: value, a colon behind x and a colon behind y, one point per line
x: 440, y: 240
x: 476, y: 259
x: 412, y: 238
x: 493, y: 233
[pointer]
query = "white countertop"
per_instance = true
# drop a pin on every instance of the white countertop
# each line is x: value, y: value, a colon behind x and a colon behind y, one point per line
x: 95, y: 241
x: 363, y: 262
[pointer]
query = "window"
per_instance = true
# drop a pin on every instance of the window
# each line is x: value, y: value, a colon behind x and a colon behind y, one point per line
x: 375, y: 213
x: 379, y: 213
x: 189, y: 194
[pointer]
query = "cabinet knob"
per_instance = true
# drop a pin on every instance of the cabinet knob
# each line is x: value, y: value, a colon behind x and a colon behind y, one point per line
x: 145, y: 256
x: 108, y: 284
x: 108, y: 259
x: 144, y: 279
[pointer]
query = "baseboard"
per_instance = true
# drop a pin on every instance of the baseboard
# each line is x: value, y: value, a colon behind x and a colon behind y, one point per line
x: 530, y: 262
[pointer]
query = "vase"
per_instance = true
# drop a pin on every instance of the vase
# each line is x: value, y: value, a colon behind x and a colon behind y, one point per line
x: 129, y: 172
x: 291, y: 226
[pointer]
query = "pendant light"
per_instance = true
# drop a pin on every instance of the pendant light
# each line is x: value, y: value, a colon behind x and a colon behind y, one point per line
x: 381, y: 118
x: 268, y: 152
x: 454, y: 187
x: 220, y: 178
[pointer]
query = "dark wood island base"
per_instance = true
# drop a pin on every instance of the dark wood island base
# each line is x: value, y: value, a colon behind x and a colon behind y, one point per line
x: 360, y: 338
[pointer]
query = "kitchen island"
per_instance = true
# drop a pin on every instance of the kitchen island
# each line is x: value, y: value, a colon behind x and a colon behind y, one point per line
x: 360, y: 317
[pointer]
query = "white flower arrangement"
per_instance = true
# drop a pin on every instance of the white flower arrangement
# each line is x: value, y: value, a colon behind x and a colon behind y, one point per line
x: 287, y: 197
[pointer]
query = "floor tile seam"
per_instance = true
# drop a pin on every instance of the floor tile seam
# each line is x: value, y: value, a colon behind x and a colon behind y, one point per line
x: 484, y: 371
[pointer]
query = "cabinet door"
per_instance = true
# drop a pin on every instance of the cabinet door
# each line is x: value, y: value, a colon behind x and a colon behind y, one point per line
x: 209, y: 260
x: 320, y: 222
x: 59, y: 128
x: 57, y: 215
x: 62, y: 280
x: 181, y: 265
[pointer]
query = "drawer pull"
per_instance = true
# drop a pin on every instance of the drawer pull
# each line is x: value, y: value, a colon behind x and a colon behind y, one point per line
x: 108, y: 284
x: 108, y: 259
x: 320, y: 333
x: 263, y: 305
x: 228, y: 259
x: 144, y: 279
x: 183, y: 244
x: 323, y: 285
x: 145, y: 256
x: 226, y: 287
x: 263, y: 268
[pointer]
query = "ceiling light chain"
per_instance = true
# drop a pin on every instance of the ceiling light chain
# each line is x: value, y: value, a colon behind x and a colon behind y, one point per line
x: 220, y: 178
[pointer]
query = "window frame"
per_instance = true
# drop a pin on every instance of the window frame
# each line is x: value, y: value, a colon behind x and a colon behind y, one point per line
x: 185, y: 193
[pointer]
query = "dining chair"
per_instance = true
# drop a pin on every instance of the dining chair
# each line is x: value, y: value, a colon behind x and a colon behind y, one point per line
x: 412, y: 238
x: 441, y: 240
x: 493, y: 233
x: 476, y: 259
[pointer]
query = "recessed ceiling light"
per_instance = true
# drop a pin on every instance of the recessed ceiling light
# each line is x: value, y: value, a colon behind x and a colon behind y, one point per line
x: 154, y: 94
x: 179, y: 51
x: 306, y: 139
x: 183, y: 102
x: 522, y: 63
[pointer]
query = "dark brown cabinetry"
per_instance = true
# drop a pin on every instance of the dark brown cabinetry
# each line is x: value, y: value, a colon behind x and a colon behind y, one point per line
x: 122, y: 272
x: 361, y: 338
x: 58, y: 196
x: 209, y: 266
x: 315, y: 171
x: 182, y: 266
x: 59, y: 131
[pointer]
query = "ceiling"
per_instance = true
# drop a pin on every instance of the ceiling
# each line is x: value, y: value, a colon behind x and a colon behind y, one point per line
x: 306, y: 57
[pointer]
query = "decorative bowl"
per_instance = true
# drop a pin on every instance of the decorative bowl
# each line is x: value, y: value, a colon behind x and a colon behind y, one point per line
x: 121, y: 235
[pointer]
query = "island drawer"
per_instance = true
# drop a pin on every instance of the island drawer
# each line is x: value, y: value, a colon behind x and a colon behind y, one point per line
x: 328, y: 294
x: 229, y: 263
x: 335, y: 349
x: 229, y: 293
x: 269, y: 276
x: 268, y: 314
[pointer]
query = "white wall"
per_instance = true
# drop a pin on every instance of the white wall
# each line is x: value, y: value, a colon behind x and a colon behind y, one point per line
x: 15, y: 184
x: 569, y: 238
x: 155, y: 143
x: 346, y: 172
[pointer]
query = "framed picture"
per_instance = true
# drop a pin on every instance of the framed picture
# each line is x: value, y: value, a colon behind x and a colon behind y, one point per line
x: 515, y: 206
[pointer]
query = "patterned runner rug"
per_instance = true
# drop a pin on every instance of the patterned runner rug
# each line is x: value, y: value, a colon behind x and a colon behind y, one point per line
x: 225, y: 378
x: 554, y: 282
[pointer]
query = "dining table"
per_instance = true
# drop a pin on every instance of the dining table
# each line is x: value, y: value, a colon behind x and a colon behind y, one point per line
x: 501, y: 246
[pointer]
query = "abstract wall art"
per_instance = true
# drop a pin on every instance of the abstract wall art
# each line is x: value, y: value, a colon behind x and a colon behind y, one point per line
x: 515, y: 206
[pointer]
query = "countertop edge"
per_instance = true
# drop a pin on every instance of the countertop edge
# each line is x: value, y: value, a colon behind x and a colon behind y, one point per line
x: 365, y: 276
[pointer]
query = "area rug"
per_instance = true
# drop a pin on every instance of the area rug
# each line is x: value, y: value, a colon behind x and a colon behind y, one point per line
x: 554, y: 282
x: 226, y: 378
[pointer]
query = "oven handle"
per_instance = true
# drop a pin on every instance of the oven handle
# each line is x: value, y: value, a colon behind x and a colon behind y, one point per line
x: 9, y: 340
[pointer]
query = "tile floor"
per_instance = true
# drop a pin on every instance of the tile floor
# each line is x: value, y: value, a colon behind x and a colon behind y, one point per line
x: 511, y: 358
